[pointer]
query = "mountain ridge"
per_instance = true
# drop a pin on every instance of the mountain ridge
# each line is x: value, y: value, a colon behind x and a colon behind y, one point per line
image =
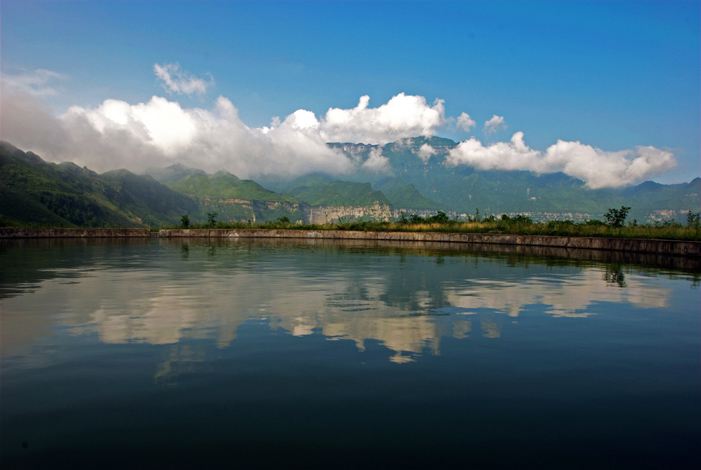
x: 35, y: 191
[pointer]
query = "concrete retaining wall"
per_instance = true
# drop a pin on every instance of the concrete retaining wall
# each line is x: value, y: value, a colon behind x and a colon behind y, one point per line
x: 74, y: 233
x: 665, y: 247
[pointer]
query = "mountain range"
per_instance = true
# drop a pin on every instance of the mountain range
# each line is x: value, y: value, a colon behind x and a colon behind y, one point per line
x: 36, y: 192
x: 464, y: 189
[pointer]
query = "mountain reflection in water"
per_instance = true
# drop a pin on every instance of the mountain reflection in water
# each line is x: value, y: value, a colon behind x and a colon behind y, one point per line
x: 318, y: 354
x: 404, y: 298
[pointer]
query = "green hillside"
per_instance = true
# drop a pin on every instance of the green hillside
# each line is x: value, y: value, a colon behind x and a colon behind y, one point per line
x: 234, y: 199
x: 33, y: 191
x: 148, y: 199
x: 224, y: 185
x: 307, y: 182
x: 406, y: 196
x: 319, y: 189
x: 316, y: 190
x: 36, y: 192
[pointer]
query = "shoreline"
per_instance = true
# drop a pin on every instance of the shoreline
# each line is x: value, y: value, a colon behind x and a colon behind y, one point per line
x: 632, y: 245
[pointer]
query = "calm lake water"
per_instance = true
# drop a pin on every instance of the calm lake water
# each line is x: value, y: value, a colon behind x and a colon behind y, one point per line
x: 264, y: 354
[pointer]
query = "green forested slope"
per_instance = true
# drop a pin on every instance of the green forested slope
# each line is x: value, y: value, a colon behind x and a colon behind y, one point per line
x: 35, y: 192
x: 224, y: 185
x: 317, y: 191
x: 406, y: 196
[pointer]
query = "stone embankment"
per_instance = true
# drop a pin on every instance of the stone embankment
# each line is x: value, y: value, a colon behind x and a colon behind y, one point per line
x: 74, y: 233
x: 663, y: 247
x: 659, y: 247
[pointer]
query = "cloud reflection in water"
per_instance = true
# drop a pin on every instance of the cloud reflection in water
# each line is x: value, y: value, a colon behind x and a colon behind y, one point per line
x: 406, y: 302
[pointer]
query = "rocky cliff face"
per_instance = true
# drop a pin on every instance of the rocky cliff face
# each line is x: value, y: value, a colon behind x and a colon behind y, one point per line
x: 327, y: 214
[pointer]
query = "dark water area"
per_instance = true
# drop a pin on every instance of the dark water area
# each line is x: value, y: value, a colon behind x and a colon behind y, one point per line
x: 322, y: 354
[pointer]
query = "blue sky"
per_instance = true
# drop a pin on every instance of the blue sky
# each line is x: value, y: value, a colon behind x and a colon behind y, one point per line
x: 611, y: 75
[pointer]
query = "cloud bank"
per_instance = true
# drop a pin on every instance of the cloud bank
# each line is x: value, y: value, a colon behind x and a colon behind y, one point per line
x: 160, y: 132
x: 598, y: 168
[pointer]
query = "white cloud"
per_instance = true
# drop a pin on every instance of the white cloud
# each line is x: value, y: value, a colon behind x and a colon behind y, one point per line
x: 117, y: 134
x: 465, y: 122
x: 494, y: 125
x: 402, y: 116
x: 598, y: 168
x: 607, y: 169
x: 425, y: 152
x: 303, y: 120
x: 159, y: 122
x: 176, y: 80
x: 37, y: 83
x: 158, y: 133
x: 514, y: 155
x: 377, y: 163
